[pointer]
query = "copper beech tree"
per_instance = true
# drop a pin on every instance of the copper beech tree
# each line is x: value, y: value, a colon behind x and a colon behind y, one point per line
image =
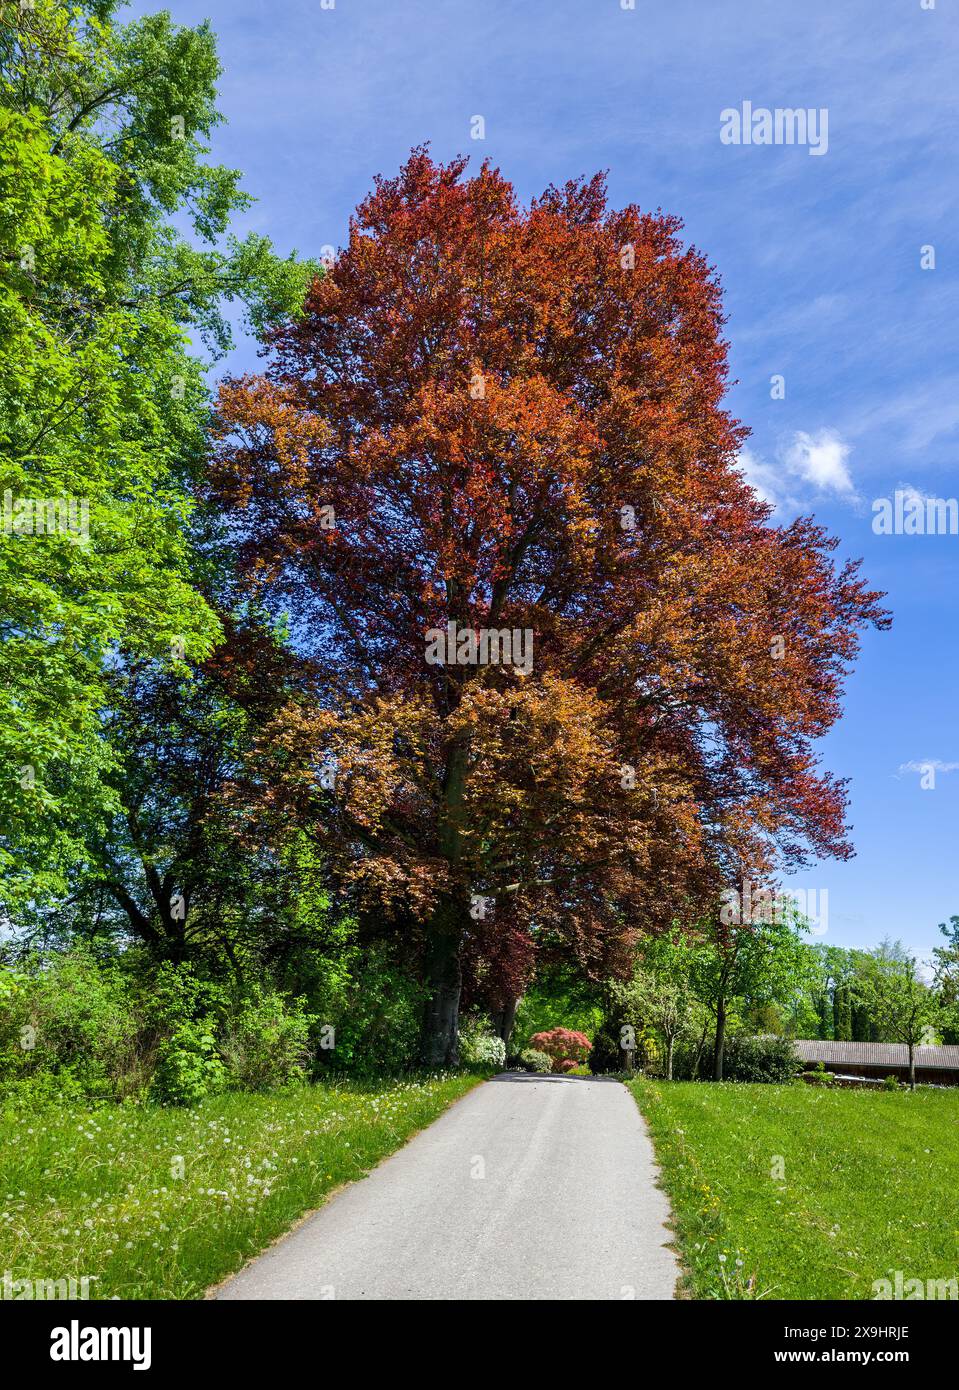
x: 566, y: 675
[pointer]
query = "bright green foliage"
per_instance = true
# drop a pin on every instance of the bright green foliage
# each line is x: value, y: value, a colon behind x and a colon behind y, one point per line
x: 73, y: 1022
x: 188, y: 1068
x: 183, y: 1011
x: 89, y: 1025
x: 102, y: 406
x: 741, y: 965
x: 905, y: 1009
x: 266, y: 1040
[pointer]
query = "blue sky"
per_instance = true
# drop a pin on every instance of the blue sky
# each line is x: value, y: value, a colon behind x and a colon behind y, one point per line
x: 819, y: 257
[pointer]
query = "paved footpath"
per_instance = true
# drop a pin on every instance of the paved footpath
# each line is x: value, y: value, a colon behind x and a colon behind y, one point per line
x: 532, y: 1187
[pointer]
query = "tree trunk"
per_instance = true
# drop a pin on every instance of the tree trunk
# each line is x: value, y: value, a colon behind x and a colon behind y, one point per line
x: 720, y: 1040
x: 699, y: 1052
x: 912, y: 1066
x: 669, y: 1058
x: 439, y: 1039
x: 503, y: 1020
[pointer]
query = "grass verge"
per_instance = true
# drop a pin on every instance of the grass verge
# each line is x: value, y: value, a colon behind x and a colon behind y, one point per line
x: 162, y: 1203
x: 800, y: 1192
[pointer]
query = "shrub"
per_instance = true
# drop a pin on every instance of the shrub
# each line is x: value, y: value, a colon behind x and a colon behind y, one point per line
x: 759, y: 1059
x: 566, y: 1048
x: 188, y: 1067
x: 891, y: 1083
x: 374, y: 1013
x: 90, y: 1024
x: 488, y: 1051
x: 479, y: 1045
x: 532, y: 1060
x: 73, y: 1016
x: 266, y: 1040
x: 183, y: 1012
x: 40, y: 1091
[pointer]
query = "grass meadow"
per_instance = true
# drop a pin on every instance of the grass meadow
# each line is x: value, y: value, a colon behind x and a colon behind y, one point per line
x: 806, y: 1192
x: 162, y: 1203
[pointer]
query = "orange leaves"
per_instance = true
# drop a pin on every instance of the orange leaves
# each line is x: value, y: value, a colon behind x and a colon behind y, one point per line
x: 517, y: 426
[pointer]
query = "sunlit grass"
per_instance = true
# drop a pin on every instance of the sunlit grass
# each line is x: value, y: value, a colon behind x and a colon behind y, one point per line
x: 162, y: 1203
x: 800, y: 1192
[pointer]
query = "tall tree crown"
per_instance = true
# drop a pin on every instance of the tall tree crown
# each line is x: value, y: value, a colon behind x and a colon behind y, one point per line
x: 499, y: 417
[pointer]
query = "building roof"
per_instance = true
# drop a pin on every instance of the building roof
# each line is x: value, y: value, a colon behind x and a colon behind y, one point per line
x: 869, y: 1054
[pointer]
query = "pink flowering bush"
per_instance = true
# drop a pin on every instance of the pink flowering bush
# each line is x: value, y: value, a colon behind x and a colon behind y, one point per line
x: 566, y: 1047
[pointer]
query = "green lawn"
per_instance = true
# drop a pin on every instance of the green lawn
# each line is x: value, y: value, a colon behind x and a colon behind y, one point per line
x: 803, y: 1192
x: 97, y: 1192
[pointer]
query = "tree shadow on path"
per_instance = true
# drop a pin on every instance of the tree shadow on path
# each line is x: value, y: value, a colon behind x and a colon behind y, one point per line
x: 552, y: 1077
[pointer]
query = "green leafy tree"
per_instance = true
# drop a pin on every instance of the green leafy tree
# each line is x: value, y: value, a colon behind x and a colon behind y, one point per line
x: 947, y: 979
x: 664, y: 990
x: 904, y: 1007
x: 103, y: 406
x: 833, y: 972
x: 750, y: 962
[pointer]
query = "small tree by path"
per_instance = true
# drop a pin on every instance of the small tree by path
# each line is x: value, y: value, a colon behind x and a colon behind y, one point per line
x: 662, y: 986
x: 761, y: 960
x: 903, y: 1005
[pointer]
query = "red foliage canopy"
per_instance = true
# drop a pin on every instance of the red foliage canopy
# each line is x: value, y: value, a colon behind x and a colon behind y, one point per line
x: 509, y: 418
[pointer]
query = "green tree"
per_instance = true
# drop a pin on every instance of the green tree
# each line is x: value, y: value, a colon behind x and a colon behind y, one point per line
x: 168, y: 868
x: 947, y: 979
x: 103, y: 406
x: 902, y: 1005
x: 663, y: 988
x: 831, y: 995
x: 758, y: 962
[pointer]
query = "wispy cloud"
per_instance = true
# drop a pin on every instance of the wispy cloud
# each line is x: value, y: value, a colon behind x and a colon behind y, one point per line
x: 820, y: 459
x: 924, y: 414
x: 928, y: 765
x: 806, y: 467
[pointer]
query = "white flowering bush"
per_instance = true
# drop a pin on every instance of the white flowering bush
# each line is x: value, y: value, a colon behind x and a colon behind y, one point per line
x: 488, y: 1051
x: 480, y: 1047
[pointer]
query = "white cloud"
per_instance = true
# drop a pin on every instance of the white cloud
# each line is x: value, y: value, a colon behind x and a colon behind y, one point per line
x: 928, y: 765
x: 761, y: 477
x: 806, y: 467
x: 820, y: 459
